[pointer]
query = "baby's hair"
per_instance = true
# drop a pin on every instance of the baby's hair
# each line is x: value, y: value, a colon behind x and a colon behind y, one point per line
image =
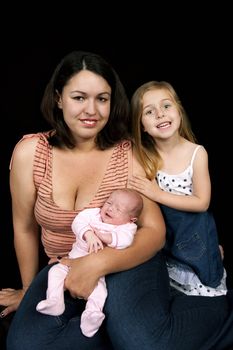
x: 137, y: 199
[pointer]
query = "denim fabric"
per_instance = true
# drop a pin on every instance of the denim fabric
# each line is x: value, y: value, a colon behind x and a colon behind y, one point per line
x: 140, y: 315
x: 32, y: 330
x: 192, y: 242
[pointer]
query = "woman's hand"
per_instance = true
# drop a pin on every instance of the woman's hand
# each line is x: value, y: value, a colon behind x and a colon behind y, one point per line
x: 10, y: 298
x: 83, y: 275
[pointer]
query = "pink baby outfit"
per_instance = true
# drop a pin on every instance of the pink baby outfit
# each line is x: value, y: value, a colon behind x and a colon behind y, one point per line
x: 93, y: 316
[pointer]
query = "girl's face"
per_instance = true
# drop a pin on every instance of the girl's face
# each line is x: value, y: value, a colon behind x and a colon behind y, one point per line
x: 160, y: 116
x: 85, y: 102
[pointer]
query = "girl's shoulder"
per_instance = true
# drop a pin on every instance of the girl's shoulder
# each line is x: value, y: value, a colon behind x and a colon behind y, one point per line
x: 193, y: 148
x: 198, y: 152
x: 191, y: 145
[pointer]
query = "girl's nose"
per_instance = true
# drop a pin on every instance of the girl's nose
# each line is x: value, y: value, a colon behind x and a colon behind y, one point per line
x: 160, y: 113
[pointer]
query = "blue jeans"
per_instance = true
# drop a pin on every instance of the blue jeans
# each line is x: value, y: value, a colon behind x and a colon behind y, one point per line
x: 192, y: 243
x: 140, y: 315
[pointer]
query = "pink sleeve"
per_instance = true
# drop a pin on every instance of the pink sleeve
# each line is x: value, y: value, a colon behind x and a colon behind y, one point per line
x: 123, y: 235
x: 82, y: 221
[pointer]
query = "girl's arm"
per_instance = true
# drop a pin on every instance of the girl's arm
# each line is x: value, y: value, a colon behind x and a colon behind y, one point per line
x: 197, y: 202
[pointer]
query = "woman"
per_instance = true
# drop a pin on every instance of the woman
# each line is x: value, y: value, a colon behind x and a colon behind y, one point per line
x: 54, y: 175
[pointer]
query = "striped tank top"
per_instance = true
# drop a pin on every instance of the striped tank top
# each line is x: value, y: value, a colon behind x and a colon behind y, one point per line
x: 56, y: 233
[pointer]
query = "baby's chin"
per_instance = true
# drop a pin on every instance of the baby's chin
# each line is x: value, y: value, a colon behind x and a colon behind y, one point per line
x: 107, y: 220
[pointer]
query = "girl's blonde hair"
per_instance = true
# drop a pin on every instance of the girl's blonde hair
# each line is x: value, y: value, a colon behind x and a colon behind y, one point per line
x: 144, y: 143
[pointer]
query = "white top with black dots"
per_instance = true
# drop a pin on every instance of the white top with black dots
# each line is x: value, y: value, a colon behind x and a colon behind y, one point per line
x: 186, y: 281
x: 178, y: 184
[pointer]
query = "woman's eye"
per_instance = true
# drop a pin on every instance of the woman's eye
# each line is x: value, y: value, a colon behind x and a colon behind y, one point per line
x: 79, y: 98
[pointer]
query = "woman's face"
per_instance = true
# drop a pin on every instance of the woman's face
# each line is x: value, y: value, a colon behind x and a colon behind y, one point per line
x: 85, y: 102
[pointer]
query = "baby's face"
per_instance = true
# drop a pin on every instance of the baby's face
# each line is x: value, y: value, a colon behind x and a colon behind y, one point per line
x: 117, y: 208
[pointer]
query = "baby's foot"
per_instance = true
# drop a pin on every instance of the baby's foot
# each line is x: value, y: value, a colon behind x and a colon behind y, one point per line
x: 91, y: 321
x: 50, y: 307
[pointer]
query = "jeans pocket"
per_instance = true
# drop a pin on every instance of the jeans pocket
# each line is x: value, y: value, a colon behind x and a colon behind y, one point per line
x: 190, y: 249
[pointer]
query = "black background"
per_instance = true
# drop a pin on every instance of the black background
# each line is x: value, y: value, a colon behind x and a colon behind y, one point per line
x: 189, y: 47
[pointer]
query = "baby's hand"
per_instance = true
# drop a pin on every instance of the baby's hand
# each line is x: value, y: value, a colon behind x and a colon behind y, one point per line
x: 104, y: 236
x: 93, y: 242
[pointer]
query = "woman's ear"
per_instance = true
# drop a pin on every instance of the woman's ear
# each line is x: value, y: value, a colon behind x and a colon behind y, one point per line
x: 58, y: 100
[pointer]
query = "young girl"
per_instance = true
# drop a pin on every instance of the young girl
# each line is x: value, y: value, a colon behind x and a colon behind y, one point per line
x: 178, y: 179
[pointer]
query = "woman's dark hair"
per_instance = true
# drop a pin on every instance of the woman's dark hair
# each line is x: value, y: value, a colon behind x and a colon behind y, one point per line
x: 116, y: 128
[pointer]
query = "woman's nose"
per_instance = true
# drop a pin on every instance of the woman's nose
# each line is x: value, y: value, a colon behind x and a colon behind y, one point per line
x: 90, y: 107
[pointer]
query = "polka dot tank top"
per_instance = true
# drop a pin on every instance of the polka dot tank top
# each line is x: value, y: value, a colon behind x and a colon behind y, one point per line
x: 181, y: 183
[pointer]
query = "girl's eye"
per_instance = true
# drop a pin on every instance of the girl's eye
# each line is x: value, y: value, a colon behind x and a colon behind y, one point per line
x: 150, y: 112
x: 167, y: 105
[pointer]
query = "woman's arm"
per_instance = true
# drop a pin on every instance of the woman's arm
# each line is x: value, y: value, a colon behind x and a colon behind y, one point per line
x: 26, y: 237
x: 149, y: 239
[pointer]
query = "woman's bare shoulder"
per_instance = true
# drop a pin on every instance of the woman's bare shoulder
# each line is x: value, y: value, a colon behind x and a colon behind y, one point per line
x: 24, y: 151
x: 137, y: 167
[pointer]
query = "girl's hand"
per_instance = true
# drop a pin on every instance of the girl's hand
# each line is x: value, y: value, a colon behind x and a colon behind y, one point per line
x: 10, y: 298
x: 148, y: 188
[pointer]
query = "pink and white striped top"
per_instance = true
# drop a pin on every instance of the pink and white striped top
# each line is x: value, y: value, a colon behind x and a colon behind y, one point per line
x: 56, y: 233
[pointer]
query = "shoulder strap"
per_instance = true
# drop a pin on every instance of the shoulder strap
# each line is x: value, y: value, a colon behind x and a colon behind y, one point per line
x: 194, y: 154
x: 40, y: 163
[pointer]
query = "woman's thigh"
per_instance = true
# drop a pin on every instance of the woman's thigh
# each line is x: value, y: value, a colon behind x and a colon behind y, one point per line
x: 140, y: 314
x: 33, y: 330
x: 132, y: 295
